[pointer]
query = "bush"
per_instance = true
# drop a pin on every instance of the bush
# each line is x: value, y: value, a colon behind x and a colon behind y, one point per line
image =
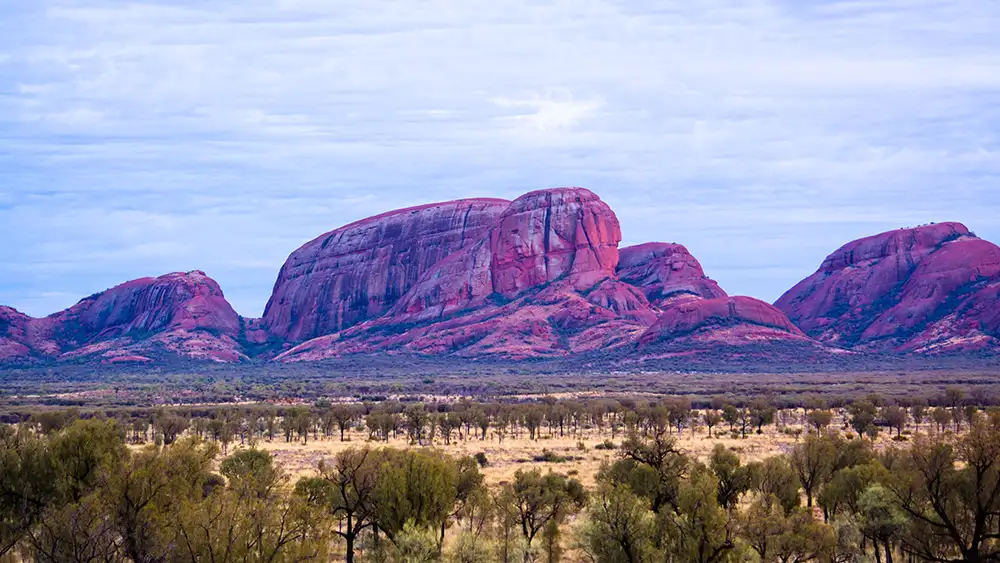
x: 469, y: 548
x: 413, y: 544
x: 481, y: 459
x: 581, y: 446
x: 605, y: 445
x: 550, y: 457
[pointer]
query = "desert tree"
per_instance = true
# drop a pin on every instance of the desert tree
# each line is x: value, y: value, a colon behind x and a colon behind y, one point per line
x: 538, y: 499
x: 951, y: 494
x: 895, y: 418
x: 862, y: 416
x: 712, y: 418
x: 27, y: 483
x: 651, y: 468
x: 733, y: 477
x: 414, y: 486
x: 698, y: 529
x: 819, y: 418
x: 346, y: 488
x: 619, y: 528
x: 813, y: 460
x: 775, y: 478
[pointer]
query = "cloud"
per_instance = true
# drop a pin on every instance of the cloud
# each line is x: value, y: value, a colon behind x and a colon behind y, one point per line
x: 142, y: 136
x: 549, y: 113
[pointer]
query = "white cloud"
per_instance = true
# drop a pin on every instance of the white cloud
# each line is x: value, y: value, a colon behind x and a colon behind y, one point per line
x: 548, y: 113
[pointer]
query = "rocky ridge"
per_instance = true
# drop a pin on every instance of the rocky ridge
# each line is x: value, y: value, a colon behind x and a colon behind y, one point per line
x: 538, y: 277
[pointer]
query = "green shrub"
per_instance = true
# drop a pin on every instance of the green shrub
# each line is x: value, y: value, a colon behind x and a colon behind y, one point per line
x: 481, y: 459
x: 550, y: 457
x: 605, y: 445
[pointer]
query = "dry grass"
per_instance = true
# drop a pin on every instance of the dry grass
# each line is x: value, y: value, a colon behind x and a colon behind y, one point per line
x: 506, y: 457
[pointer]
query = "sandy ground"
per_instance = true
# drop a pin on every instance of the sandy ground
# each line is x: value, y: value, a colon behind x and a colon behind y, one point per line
x: 506, y: 457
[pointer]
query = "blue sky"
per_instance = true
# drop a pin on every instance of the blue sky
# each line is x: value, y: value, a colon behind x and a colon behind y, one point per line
x: 139, y: 138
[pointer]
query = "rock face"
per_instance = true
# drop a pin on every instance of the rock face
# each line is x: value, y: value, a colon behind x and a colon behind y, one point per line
x: 716, y: 318
x: 666, y: 271
x: 550, y: 234
x: 359, y: 271
x: 185, y: 314
x: 458, y: 282
x: 14, y: 336
x: 927, y: 289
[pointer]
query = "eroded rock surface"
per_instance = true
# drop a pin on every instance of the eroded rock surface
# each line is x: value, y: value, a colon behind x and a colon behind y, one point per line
x: 665, y: 271
x: 926, y: 289
x: 551, y: 234
x: 185, y: 314
x: 359, y: 271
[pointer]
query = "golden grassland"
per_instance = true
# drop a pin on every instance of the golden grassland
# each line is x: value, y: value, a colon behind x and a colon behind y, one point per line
x: 580, y: 456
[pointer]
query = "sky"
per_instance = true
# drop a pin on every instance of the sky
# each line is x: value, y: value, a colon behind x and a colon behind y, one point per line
x: 140, y: 138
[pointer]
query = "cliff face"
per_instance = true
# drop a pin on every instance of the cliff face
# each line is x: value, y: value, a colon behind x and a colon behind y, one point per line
x: 551, y: 234
x: 927, y: 289
x: 359, y: 271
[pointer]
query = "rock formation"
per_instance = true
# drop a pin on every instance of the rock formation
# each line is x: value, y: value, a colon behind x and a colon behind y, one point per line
x: 540, y: 282
x: 185, y: 314
x: 359, y: 271
x: 541, y: 276
x: 551, y: 234
x: 723, y: 320
x: 666, y: 271
x: 546, y: 280
x: 926, y: 289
